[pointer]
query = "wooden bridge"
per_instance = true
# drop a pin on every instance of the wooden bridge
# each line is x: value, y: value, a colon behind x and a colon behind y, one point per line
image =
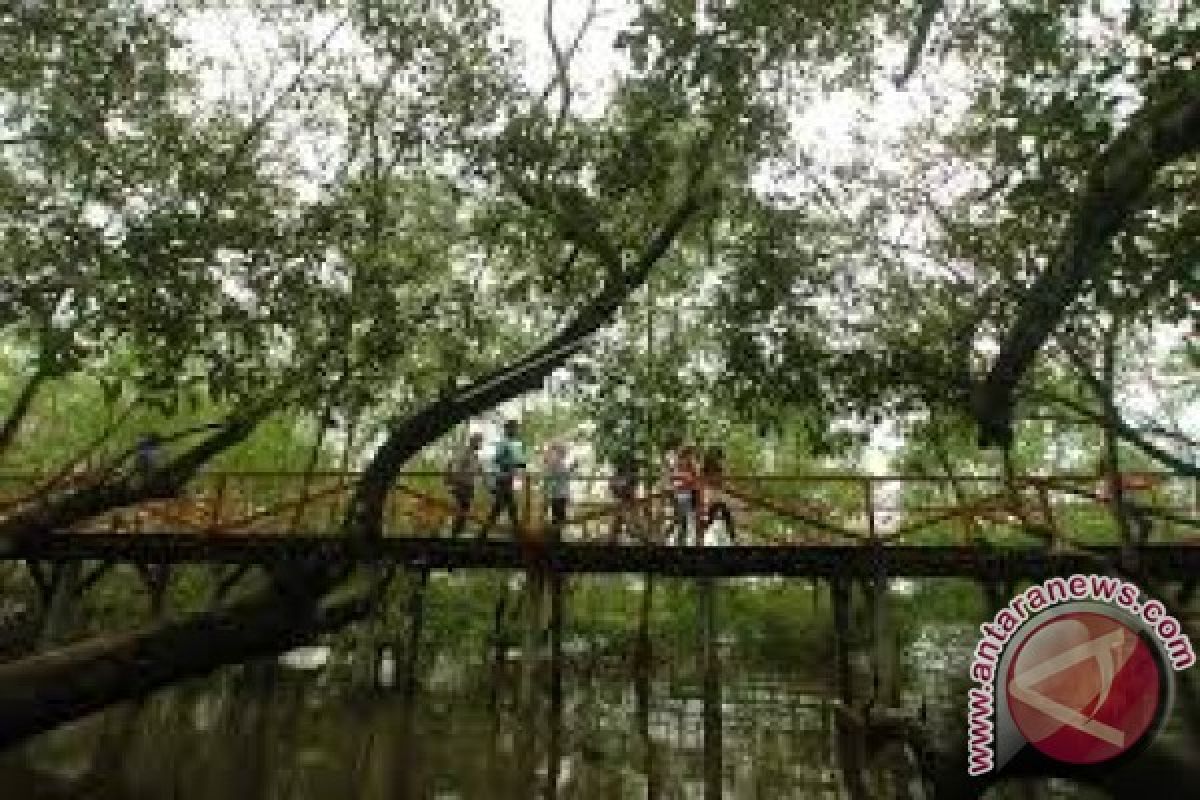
x: 784, y: 524
x: 1171, y: 562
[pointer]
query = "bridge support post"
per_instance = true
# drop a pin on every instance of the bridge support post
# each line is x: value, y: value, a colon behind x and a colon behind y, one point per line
x: 993, y: 594
x: 644, y: 666
x: 367, y: 664
x: 556, y: 632
x: 62, y: 603
x: 120, y: 725
x: 156, y: 578
x: 498, y: 646
x: 848, y: 741
x: 528, y: 699
x: 554, y: 746
x: 839, y: 588
x: 712, y: 688
x: 644, y: 651
x: 886, y: 683
x: 535, y: 592
x: 416, y: 624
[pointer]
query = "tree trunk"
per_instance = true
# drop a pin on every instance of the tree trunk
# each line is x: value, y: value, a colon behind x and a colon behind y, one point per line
x: 51, y: 688
x: 713, y: 771
x: 47, y: 690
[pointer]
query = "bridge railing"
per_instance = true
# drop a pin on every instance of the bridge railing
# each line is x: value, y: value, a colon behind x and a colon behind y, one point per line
x: 765, y: 509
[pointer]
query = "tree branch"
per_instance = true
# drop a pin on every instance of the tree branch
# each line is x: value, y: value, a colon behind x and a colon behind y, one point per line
x: 80, y: 503
x: 562, y: 61
x: 1165, y: 130
x: 1111, y: 414
x: 1127, y: 432
x: 928, y: 11
x: 20, y: 409
x: 365, y: 511
x: 60, y: 686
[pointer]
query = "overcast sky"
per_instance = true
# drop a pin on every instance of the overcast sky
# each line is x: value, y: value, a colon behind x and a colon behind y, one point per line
x: 835, y: 129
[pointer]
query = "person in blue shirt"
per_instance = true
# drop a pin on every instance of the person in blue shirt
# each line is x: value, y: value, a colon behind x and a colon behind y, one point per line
x: 149, y: 455
x: 507, y: 463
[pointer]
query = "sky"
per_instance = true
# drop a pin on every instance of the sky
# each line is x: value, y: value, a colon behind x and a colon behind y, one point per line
x: 836, y: 129
x: 824, y: 129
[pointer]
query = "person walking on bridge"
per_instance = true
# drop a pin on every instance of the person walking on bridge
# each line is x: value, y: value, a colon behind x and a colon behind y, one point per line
x: 465, y: 467
x: 623, y: 487
x: 557, y: 486
x: 509, y: 467
x: 684, y: 479
x: 714, y: 503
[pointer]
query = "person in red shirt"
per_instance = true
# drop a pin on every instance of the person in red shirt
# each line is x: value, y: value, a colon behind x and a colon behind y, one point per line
x: 1129, y: 482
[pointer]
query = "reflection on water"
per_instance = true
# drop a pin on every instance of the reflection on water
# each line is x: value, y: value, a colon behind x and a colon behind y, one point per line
x: 701, y: 715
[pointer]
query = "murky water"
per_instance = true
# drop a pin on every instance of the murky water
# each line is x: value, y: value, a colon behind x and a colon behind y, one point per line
x: 629, y: 709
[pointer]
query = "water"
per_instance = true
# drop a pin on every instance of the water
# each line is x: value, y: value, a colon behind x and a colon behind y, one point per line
x: 476, y: 717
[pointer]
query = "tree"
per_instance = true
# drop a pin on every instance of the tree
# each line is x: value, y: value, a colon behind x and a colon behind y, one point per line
x: 571, y: 212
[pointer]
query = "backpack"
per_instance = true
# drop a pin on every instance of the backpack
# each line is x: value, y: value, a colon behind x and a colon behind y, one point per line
x: 509, y: 457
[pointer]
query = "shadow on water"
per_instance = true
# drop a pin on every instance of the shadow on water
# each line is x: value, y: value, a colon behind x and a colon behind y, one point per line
x: 543, y: 687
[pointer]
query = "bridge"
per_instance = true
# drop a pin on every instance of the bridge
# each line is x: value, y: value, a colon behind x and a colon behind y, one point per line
x: 815, y: 524
x: 1170, y: 562
x: 850, y: 532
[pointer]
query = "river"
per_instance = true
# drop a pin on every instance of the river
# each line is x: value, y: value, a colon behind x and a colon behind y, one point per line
x: 640, y: 703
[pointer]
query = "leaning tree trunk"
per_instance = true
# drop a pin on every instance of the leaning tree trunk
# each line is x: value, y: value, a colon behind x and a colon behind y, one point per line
x: 50, y: 689
x: 46, y: 690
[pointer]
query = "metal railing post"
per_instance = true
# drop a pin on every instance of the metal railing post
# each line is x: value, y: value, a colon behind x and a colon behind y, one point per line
x: 215, y: 520
x: 527, y: 492
x: 869, y: 503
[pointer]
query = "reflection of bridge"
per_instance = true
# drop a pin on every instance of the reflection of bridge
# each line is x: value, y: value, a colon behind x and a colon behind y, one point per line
x: 808, y: 524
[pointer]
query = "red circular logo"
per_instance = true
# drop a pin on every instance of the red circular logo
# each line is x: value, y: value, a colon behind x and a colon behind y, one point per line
x: 1084, y: 688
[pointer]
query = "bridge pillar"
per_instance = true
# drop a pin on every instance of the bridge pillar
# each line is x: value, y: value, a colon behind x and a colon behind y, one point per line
x: 62, y: 603
x: 884, y: 674
x: 416, y: 624
x: 528, y: 698
x: 839, y: 589
x: 557, y: 614
x: 156, y: 578
x: 993, y: 594
x: 535, y: 613
x: 369, y: 651
x: 555, y: 726
x: 848, y: 741
x: 707, y: 606
x: 644, y: 667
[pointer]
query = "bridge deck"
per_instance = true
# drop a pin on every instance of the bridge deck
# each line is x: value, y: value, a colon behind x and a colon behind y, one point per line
x: 815, y: 560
